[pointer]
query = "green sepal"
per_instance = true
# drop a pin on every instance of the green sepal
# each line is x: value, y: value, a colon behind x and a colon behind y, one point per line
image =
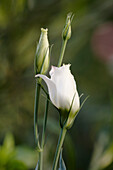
x: 75, y: 115
x: 64, y: 114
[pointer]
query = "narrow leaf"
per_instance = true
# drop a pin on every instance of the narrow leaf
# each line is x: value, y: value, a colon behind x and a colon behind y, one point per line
x: 61, y: 162
x: 37, y: 166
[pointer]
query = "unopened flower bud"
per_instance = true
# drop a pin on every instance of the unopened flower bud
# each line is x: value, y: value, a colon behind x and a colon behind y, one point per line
x: 66, y: 34
x: 42, y: 53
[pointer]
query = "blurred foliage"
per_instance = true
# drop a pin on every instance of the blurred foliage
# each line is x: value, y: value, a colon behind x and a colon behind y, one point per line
x: 20, y: 23
x: 103, y: 153
x: 16, y: 158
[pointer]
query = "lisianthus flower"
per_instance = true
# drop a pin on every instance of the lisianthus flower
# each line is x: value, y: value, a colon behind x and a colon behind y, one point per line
x: 62, y: 90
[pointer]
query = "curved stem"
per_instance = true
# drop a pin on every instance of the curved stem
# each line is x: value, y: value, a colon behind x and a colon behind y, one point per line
x: 43, y: 133
x: 37, y: 92
x: 59, y: 146
x: 64, y: 42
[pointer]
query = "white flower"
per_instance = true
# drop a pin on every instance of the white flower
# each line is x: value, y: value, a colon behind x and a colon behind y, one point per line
x: 62, y: 90
x: 42, y: 53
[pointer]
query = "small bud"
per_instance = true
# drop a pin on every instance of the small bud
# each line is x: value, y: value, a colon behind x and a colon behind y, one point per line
x: 42, y: 53
x: 66, y: 34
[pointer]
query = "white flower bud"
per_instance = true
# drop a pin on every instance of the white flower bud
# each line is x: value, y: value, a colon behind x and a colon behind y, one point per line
x: 63, y: 92
x: 42, y: 53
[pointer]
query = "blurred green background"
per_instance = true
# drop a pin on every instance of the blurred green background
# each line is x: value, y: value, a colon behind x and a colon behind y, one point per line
x: 89, y: 143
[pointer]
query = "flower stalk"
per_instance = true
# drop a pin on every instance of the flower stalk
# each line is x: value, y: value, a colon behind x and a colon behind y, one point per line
x: 43, y: 134
x: 41, y: 65
x: 59, y: 146
x: 64, y: 42
x: 37, y: 93
x: 66, y: 34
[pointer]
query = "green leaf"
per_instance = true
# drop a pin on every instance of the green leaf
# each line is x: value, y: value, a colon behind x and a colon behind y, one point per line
x: 16, y: 165
x: 26, y: 155
x: 61, y: 162
x: 9, y: 143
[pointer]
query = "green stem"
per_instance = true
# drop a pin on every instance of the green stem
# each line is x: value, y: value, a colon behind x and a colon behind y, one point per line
x: 43, y: 134
x: 64, y: 42
x: 46, y: 113
x: 37, y: 92
x: 63, y: 130
x: 59, y: 146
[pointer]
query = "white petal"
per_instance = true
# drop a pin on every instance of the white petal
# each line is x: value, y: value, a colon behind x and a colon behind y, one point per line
x: 51, y: 88
x: 65, y: 85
